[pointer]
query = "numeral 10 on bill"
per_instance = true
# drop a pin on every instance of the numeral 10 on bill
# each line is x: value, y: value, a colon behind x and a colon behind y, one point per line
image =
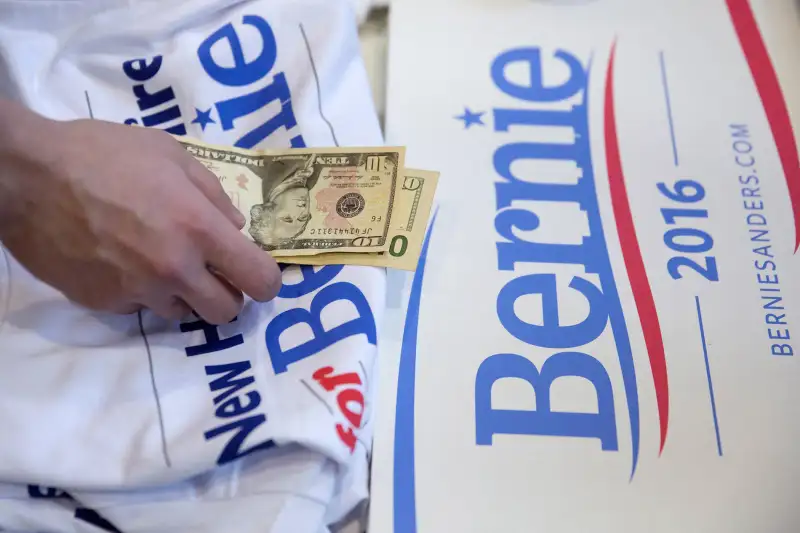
x: 692, y: 246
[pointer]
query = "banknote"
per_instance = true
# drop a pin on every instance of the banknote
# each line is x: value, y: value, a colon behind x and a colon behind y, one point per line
x: 412, y: 208
x: 308, y: 201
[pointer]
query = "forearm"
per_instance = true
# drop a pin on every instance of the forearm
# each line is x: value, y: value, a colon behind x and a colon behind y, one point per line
x: 19, y: 129
x: 17, y: 126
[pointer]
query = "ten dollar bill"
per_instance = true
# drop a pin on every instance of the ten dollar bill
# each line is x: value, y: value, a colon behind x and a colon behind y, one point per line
x: 308, y: 201
x: 412, y: 208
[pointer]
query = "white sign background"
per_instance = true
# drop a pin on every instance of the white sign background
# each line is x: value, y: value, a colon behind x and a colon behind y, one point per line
x: 680, y: 81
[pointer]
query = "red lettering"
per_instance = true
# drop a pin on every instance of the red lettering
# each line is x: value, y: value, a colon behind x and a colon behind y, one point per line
x: 347, y: 436
x: 329, y: 382
x: 344, y: 398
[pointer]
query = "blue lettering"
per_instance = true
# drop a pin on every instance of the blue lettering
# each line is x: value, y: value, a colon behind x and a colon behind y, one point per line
x: 48, y: 493
x: 322, y: 338
x: 231, y: 386
x: 140, y: 70
x: 740, y: 130
x: 772, y: 318
x: 507, y: 154
x: 147, y: 101
x: 213, y: 341
x: 517, y: 189
x: 505, y: 118
x: 234, y: 407
x: 229, y: 405
x: 230, y: 110
x: 312, y: 280
x: 551, y: 334
x: 518, y: 249
x: 781, y: 349
x: 177, y: 129
x: 774, y: 302
x: 537, y: 91
x: 298, y: 142
x: 94, y: 518
x: 515, y: 224
x: 522, y: 251
x: 162, y: 117
x: 764, y: 250
x: 542, y: 420
x: 241, y: 73
x: 757, y: 234
x: 83, y: 514
x: 243, y: 428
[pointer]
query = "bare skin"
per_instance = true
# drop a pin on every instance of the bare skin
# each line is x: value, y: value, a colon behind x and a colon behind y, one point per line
x: 121, y: 218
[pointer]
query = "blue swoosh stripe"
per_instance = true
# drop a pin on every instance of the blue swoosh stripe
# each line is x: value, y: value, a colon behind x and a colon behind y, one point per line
x: 405, y: 503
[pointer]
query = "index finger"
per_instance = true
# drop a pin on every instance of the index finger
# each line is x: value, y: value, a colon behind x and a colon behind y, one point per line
x: 210, y: 186
x: 238, y: 259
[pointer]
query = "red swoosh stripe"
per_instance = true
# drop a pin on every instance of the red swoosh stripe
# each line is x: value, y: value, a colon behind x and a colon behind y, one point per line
x: 769, y: 90
x: 642, y: 295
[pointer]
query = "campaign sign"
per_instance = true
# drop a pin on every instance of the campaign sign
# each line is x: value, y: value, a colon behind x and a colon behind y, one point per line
x: 603, y: 333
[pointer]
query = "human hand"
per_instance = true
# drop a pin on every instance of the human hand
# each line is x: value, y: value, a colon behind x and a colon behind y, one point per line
x: 119, y: 218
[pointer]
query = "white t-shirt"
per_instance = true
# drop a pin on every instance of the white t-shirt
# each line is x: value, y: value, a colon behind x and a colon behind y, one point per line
x: 262, y: 424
